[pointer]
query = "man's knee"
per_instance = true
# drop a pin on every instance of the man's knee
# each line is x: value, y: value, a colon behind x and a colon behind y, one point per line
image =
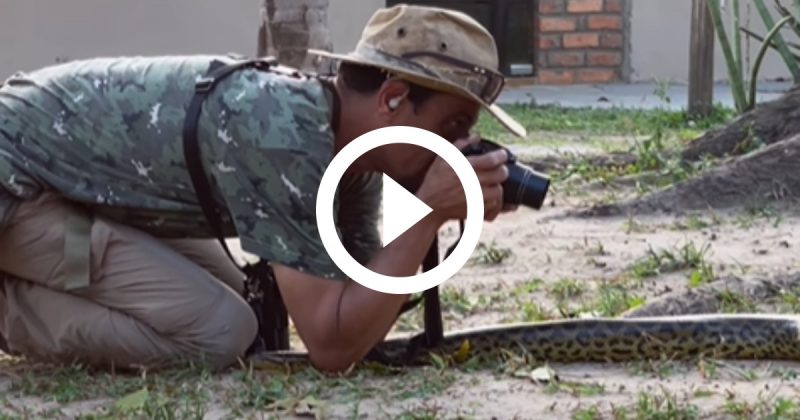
x: 234, y: 328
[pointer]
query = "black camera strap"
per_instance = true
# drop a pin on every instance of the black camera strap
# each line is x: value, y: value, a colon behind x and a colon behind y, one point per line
x: 261, y: 289
x: 432, y: 309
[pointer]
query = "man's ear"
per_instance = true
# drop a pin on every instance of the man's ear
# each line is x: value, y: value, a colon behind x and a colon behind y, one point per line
x: 391, y: 96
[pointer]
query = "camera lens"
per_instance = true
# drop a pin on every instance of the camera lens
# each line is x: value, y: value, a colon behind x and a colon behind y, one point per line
x: 525, y: 186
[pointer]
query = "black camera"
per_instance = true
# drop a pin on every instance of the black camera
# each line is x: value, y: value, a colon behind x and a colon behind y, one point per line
x: 524, y: 185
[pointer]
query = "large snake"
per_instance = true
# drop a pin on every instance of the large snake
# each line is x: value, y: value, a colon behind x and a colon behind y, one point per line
x: 719, y: 336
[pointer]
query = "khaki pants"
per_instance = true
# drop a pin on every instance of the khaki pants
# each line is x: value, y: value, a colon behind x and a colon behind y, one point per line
x: 149, y: 302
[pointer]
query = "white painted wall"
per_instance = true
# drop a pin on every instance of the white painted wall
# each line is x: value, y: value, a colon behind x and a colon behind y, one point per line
x: 347, y: 19
x: 660, y: 42
x: 36, y: 33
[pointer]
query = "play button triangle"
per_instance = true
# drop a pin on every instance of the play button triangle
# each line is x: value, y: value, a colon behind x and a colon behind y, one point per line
x: 401, y: 210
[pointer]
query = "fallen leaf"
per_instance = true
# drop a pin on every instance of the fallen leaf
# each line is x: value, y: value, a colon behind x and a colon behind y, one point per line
x: 543, y: 375
x: 133, y: 402
x: 310, y: 407
x: 438, y: 361
x: 462, y: 354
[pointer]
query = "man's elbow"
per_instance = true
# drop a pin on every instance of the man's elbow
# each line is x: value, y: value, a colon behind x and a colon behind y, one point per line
x: 334, y: 357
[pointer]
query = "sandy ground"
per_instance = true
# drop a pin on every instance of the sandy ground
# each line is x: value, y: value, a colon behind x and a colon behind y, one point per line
x: 542, y: 250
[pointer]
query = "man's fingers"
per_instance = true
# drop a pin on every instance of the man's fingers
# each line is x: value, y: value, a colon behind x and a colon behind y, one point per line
x: 492, y: 194
x: 460, y: 144
x: 497, y: 175
x: 464, y: 142
x: 489, y: 160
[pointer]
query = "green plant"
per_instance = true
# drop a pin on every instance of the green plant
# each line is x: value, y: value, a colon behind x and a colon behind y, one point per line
x: 565, y: 289
x: 732, y: 59
x: 492, y: 254
x: 613, y: 299
x: 773, y: 33
x: 744, y: 92
x: 590, y: 413
x: 666, y: 261
x: 702, y: 275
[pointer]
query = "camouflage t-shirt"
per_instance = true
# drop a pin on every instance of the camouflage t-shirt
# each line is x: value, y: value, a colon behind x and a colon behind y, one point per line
x: 108, y: 133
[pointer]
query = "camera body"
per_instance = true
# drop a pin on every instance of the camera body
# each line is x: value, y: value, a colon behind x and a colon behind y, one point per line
x: 524, y: 186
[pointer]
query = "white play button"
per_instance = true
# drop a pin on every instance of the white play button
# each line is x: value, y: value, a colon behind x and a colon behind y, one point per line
x: 401, y: 210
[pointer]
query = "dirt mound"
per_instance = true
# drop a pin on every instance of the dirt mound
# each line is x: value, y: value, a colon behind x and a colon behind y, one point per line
x: 767, y: 175
x: 713, y: 297
x: 768, y: 123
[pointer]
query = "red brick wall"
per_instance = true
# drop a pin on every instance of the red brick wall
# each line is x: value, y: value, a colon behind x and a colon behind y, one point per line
x: 580, y: 41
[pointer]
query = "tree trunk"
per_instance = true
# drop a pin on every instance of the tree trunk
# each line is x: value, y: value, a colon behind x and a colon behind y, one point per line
x: 290, y: 27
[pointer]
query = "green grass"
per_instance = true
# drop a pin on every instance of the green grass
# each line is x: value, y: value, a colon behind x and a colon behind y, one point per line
x: 566, y: 289
x: 612, y: 299
x: 613, y: 121
x: 576, y: 389
x: 765, y: 408
x: 170, y: 394
x: 664, y: 406
x: 687, y: 256
x: 590, y: 413
x: 694, y: 223
x: 732, y: 302
x: 491, y: 254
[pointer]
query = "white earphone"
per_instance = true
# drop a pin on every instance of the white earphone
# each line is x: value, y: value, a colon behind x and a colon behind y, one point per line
x: 394, y: 103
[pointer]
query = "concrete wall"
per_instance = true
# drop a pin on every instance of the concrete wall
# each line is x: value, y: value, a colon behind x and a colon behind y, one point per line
x: 36, y: 33
x: 660, y: 42
x: 347, y: 19
x: 46, y: 31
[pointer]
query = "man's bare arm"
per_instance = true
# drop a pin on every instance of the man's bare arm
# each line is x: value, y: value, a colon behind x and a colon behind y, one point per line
x: 340, y: 321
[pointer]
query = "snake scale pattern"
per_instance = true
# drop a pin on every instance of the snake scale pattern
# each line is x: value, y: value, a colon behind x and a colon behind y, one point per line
x: 719, y: 336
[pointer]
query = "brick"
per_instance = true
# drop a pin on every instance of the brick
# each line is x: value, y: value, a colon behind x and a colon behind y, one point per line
x: 614, y: 6
x: 611, y: 41
x: 548, y: 42
x: 604, y: 59
x: 566, y: 59
x: 581, y: 40
x: 551, y: 7
x: 601, y: 22
x: 557, y: 24
x: 596, y: 76
x: 541, y: 61
x: 556, y: 77
x: 585, y: 6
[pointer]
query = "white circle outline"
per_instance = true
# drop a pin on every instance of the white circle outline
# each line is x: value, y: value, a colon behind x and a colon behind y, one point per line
x: 472, y: 225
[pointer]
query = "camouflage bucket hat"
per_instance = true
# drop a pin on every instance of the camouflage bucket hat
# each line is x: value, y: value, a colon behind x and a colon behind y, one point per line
x: 438, y: 48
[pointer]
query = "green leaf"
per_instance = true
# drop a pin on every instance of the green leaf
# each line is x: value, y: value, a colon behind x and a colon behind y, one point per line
x: 783, y: 49
x: 438, y: 361
x: 696, y: 279
x: 734, y: 72
x: 132, y: 402
x: 462, y: 354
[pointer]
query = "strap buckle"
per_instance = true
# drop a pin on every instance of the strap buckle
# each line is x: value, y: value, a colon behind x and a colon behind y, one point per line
x: 204, y: 85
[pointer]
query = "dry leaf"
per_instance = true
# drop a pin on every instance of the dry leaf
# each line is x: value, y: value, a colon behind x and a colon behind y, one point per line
x: 543, y: 375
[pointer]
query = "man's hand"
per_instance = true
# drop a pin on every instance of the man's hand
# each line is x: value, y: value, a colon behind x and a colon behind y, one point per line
x: 442, y: 191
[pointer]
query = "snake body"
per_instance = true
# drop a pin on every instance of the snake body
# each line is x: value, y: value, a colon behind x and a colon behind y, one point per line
x: 720, y: 336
